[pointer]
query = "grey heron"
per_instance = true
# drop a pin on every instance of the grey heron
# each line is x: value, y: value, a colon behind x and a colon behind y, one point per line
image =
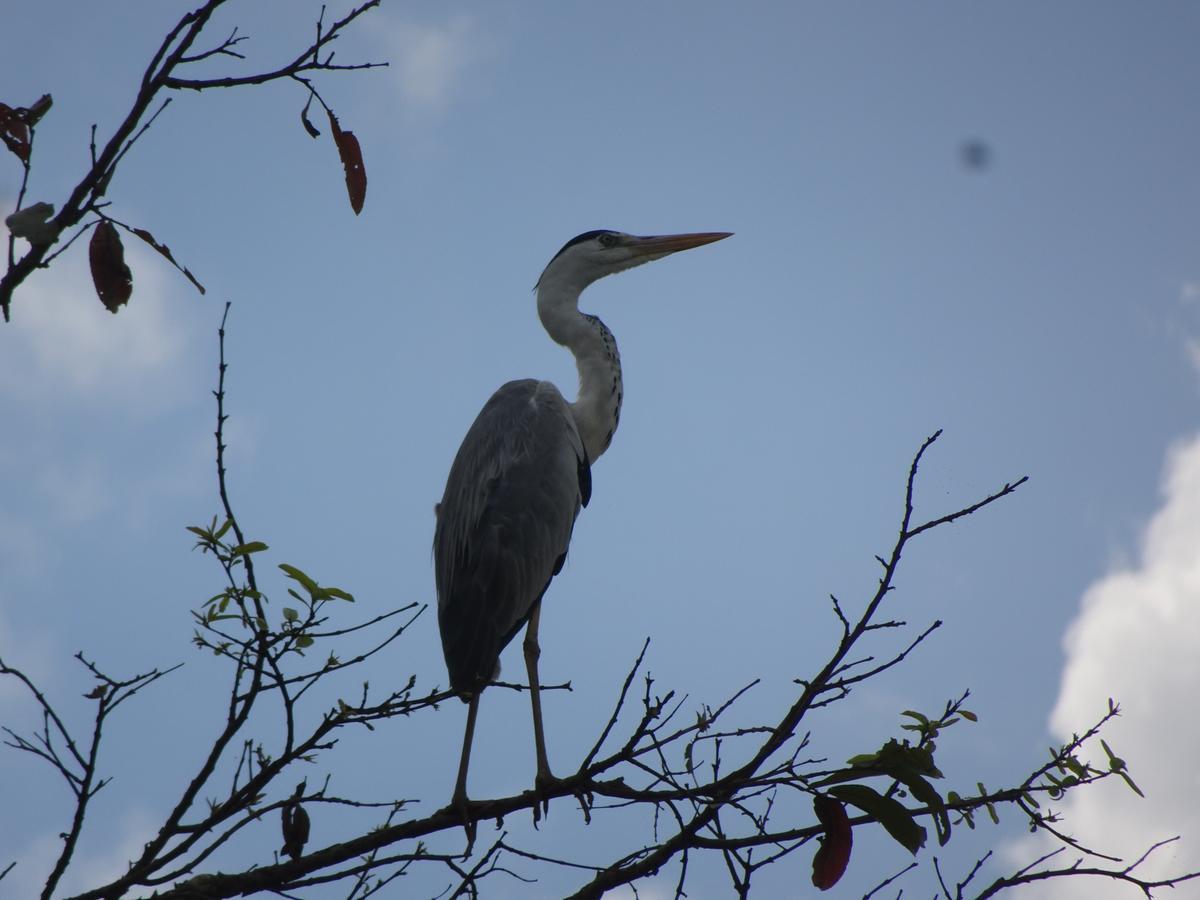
x: 520, y: 477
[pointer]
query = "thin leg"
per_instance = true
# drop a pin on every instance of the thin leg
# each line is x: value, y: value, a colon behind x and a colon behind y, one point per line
x: 459, y: 800
x: 532, y: 652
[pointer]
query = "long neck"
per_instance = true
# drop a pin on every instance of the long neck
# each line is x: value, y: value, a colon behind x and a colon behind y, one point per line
x: 597, y: 409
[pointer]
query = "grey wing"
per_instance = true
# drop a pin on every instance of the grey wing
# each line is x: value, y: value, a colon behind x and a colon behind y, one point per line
x: 504, y: 523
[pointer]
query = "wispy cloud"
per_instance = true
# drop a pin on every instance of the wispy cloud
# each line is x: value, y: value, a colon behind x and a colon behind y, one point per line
x: 1137, y: 639
x: 61, y: 339
x: 430, y: 60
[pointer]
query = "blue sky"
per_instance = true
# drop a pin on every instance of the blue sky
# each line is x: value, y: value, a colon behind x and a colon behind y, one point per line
x: 1044, y: 311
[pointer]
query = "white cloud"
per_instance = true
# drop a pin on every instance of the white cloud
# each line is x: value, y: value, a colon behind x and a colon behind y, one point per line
x: 429, y: 60
x: 1137, y: 639
x: 77, y: 492
x: 62, y: 339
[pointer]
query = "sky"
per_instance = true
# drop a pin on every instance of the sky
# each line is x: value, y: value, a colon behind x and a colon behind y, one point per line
x: 1044, y: 310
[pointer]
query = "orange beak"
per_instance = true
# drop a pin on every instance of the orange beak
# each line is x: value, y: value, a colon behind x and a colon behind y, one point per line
x: 662, y: 244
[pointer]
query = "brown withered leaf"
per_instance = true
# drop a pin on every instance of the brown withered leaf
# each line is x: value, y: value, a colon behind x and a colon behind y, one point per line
x: 352, y: 162
x: 832, y: 857
x: 40, y: 107
x: 110, y: 275
x: 312, y: 129
x: 166, y: 252
x: 14, y: 132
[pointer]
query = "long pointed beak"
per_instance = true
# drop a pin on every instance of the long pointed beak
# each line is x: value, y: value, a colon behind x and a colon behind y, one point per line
x: 662, y: 244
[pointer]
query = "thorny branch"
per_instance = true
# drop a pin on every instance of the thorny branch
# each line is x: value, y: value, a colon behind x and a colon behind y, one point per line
x: 712, y: 788
x: 174, y: 54
x: 733, y: 790
x: 78, y: 767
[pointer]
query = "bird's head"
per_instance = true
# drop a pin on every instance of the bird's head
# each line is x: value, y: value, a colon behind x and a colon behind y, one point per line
x: 594, y: 254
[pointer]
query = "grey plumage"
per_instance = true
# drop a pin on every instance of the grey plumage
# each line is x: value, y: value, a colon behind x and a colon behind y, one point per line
x: 504, y: 523
x: 520, y: 478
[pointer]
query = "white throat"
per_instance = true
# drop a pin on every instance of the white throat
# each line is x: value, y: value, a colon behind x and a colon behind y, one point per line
x: 597, y: 409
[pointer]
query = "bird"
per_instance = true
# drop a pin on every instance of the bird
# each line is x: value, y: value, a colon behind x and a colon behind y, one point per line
x: 520, y: 477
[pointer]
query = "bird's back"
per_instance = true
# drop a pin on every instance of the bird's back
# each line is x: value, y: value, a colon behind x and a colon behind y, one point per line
x: 504, y: 523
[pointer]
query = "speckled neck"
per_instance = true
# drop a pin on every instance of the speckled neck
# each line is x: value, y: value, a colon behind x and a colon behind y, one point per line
x: 597, y: 409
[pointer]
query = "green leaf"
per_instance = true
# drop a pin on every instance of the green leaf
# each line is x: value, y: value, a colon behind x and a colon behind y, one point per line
x: 1129, y: 781
x: 925, y: 792
x: 199, y: 532
x: 290, y: 614
x: 887, y: 812
x: 1076, y: 767
x: 863, y: 760
x: 248, y: 548
x: 304, y: 641
x: 220, y: 533
x: 968, y: 715
x: 338, y: 593
x: 1115, y: 763
x: 296, y: 575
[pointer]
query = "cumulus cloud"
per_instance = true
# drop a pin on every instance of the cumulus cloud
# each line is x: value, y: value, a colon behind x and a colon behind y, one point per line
x: 1137, y: 639
x: 61, y: 339
x: 428, y: 60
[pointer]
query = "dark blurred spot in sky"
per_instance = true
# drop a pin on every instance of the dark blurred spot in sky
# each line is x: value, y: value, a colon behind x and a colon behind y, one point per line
x: 976, y: 155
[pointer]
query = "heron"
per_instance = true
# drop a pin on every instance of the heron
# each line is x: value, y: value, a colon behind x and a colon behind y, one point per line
x: 520, y: 478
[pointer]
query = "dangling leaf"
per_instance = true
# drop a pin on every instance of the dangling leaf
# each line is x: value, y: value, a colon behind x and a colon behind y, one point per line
x: 927, y: 794
x: 34, y: 114
x: 832, y: 857
x: 352, y: 162
x: 312, y: 130
x: 889, y: 813
x: 14, y: 132
x: 166, y: 252
x: 110, y: 275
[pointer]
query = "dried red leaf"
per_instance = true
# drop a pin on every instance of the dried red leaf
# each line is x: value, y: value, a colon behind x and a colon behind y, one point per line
x: 166, y: 252
x: 110, y: 275
x: 14, y: 132
x: 832, y: 857
x: 40, y: 107
x: 352, y: 162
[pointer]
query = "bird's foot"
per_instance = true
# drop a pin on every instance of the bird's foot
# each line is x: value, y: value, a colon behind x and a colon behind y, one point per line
x: 543, y: 783
x: 461, y: 807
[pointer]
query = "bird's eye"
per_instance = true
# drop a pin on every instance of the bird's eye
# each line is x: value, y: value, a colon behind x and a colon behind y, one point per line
x: 608, y: 240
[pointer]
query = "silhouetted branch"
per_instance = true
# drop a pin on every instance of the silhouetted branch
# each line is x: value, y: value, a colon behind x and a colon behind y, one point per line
x: 735, y: 790
x: 173, y: 54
